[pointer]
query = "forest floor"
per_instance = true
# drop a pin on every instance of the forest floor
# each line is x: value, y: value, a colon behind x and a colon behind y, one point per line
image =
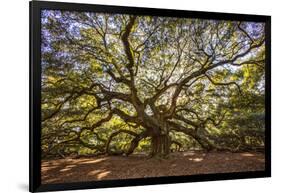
x: 140, y: 166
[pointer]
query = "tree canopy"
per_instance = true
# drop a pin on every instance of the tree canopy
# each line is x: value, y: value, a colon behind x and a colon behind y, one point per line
x: 116, y: 84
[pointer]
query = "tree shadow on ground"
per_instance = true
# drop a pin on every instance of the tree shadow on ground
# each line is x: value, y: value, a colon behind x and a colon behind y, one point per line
x: 136, y: 166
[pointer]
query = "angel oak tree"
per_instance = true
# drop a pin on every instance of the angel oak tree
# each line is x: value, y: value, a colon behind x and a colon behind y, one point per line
x: 156, y: 75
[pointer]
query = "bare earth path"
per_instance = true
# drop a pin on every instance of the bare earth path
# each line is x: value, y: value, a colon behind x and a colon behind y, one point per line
x: 137, y: 166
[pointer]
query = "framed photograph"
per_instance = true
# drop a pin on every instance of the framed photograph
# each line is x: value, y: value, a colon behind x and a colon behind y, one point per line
x: 125, y: 96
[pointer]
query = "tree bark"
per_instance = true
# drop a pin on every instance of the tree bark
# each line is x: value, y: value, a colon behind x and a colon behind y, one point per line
x: 160, y: 145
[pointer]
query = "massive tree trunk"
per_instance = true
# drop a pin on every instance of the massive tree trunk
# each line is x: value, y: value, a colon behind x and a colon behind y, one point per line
x: 160, y: 145
x: 160, y: 140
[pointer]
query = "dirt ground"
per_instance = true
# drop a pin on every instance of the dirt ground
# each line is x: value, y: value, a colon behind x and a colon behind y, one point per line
x: 139, y: 166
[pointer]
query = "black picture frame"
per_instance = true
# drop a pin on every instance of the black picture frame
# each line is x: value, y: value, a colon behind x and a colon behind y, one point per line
x: 35, y: 95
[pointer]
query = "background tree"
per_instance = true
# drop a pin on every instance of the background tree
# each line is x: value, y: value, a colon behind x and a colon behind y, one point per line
x: 117, y: 84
